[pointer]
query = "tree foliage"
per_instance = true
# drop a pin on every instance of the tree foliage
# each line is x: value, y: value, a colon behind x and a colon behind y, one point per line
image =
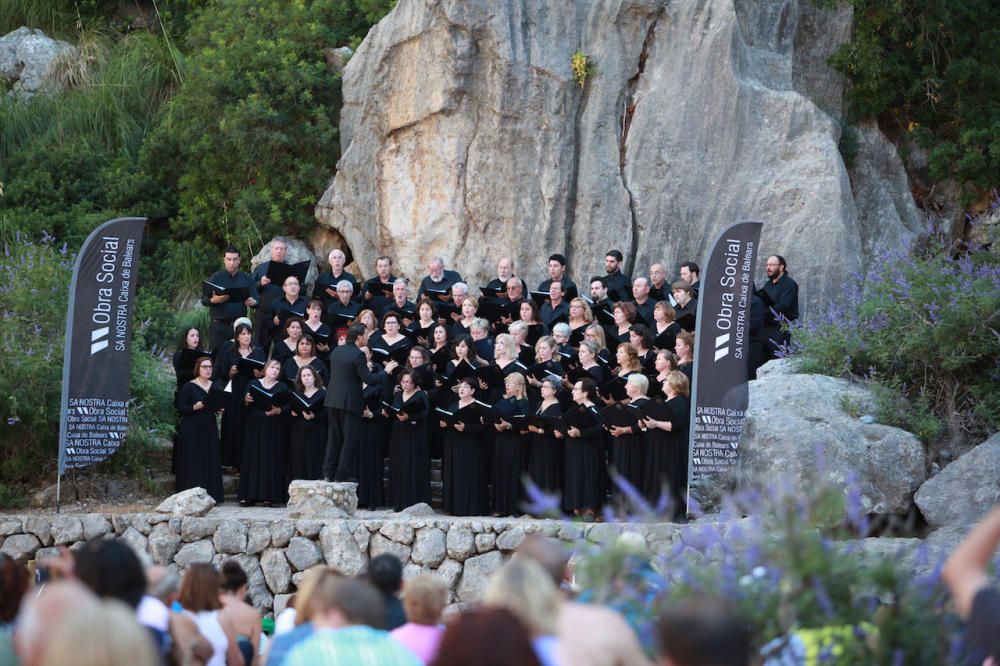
x: 929, y: 67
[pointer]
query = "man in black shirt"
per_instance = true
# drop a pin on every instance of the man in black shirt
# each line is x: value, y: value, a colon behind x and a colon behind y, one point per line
x: 555, y: 309
x: 643, y: 303
x: 976, y: 599
x: 437, y: 278
x: 686, y: 310
x: 616, y: 281
x: 781, y: 300
x: 404, y: 309
x: 269, y: 292
x: 505, y: 271
x: 557, y: 272
x: 342, y: 309
x: 291, y: 304
x: 659, y: 288
x: 222, y: 311
x: 325, y: 288
x: 382, y: 280
x: 691, y: 275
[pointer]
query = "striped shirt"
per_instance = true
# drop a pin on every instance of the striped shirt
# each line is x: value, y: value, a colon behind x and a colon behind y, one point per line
x: 356, y: 645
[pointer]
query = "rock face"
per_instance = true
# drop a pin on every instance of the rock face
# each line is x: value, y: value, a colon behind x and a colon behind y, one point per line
x: 28, y: 58
x: 465, y: 134
x: 964, y: 491
x: 322, y: 499
x: 796, y: 429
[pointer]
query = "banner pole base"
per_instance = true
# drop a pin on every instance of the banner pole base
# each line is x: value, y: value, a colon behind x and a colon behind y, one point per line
x: 58, y: 491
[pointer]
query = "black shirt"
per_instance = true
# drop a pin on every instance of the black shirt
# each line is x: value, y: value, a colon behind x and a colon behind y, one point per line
x: 984, y: 622
x: 447, y: 281
x: 553, y: 315
x: 230, y: 311
x: 645, y: 312
x: 326, y: 280
x: 782, y: 297
x: 619, y: 282
x: 269, y: 292
x: 569, y: 288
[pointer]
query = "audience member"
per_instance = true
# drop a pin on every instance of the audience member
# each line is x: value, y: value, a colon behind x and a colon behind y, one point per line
x: 237, y: 613
x: 200, y: 600
x: 106, y: 634
x: 385, y: 572
x: 522, y: 586
x: 41, y: 614
x: 424, y: 598
x: 703, y: 633
x: 486, y: 637
x: 305, y: 612
x: 976, y: 598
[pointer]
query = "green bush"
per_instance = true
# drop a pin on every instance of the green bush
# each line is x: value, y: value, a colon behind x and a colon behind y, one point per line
x: 250, y: 140
x: 924, y: 328
x: 928, y: 68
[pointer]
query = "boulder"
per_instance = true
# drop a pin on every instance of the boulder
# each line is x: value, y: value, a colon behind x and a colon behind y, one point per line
x: 260, y: 596
x: 281, y: 602
x: 190, y: 502
x: 964, y: 491
x: 486, y: 541
x: 95, y: 525
x: 281, y: 533
x: 199, y: 551
x: 449, y: 571
x: 464, y: 138
x: 398, y: 530
x: 10, y: 526
x: 380, y: 545
x: 308, y: 528
x: 66, y: 530
x: 29, y: 59
x: 511, y: 538
x: 41, y: 527
x: 230, y: 537
x: 322, y: 499
x: 429, y: 546
x: 421, y: 509
x: 461, y: 543
x: 194, y: 528
x: 476, y: 575
x: 303, y: 553
x: 163, y: 544
x: 258, y: 538
x: 277, y: 573
x: 20, y: 547
x: 797, y: 433
x: 136, y: 539
x: 340, y: 550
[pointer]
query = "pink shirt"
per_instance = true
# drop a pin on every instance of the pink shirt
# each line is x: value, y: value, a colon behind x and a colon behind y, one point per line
x: 421, y: 639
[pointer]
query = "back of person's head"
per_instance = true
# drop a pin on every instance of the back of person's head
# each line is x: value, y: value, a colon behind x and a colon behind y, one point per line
x: 41, y: 614
x: 105, y: 635
x: 13, y: 583
x: 486, y: 637
x: 355, y: 600
x: 703, y: 633
x: 522, y: 586
x: 200, y: 588
x: 385, y: 572
x: 424, y: 598
x: 112, y: 570
x: 305, y: 598
x: 162, y: 583
x: 233, y: 576
x: 549, y: 553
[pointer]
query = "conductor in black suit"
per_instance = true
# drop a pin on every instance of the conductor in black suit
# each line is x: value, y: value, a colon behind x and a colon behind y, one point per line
x: 349, y: 368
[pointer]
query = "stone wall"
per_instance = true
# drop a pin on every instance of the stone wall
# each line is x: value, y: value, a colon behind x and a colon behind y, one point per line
x: 276, y: 553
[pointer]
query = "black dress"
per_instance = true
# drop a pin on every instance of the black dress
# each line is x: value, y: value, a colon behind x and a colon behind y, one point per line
x: 464, y: 472
x: 197, y: 444
x: 628, y: 455
x: 290, y: 370
x: 371, y: 449
x: 307, y: 439
x: 547, y: 466
x: 234, y: 418
x: 510, y: 459
x: 667, y: 457
x: 585, y: 468
x: 409, y: 458
x: 265, y: 451
x: 281, y: 352
x: 668, y: 337
x: 687, y: 369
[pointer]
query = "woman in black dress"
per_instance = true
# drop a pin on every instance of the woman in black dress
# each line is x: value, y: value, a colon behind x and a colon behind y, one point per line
x: 409, y: 458
x: 282, y: 350
x: 374, y: 437
x: 390, y: 340
x: 469, y: 306
x: 589, y: 361
x: 585, y: 468
x: 227, y: 370
x: 307, y: 435
x: 265, y: 441
x: 580, y: 317
x: 305, y: 356
x: 546, y: 466
x: 684, y: 347
x: 465, y: 478
x: 641, y: 338
x: 511, y: 447
x: 667, y: 446
x: 595, y: 333
x: 618, y: 332
x: 666, y: 362
x: 665, y: 329
x: 628, y: 451
x: 529, y: 316
x: 187, y: 353
x: 198, y: 436
x: 316, y: 329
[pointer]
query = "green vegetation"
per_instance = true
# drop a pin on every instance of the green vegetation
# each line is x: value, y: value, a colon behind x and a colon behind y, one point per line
x: 924, y: 327
x: 927, y: 68
x: 215, y: 119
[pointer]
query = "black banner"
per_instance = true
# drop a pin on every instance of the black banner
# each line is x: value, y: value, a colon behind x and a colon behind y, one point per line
x: 719, y: 392
x: 97, y: 359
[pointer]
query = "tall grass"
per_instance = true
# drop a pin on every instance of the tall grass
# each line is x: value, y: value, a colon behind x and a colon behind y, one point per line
x: 117, y: 89
x: 55, y: 17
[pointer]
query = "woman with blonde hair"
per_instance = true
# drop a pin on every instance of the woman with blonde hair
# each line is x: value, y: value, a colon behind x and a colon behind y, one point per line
x: 105, y: 635
x: 580, y: 317
x: 424, y: 598
x: 304, y: 609
x: 522, y: 587
x: 667, y: 444
x: 511, y: 447
x: 595, y: 333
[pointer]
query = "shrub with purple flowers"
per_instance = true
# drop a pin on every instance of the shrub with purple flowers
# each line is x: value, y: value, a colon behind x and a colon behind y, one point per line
x: 925, y: 328
x: 34, y: 275
x: 811, y: 595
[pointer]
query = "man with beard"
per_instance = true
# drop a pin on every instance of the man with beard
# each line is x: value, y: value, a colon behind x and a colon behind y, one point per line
x: 617, y: 282
x: 781, y: 301
x: 692, y: 275
x: 222, y: 311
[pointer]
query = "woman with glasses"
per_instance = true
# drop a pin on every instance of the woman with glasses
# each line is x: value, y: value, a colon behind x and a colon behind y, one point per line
x: 198, y: 456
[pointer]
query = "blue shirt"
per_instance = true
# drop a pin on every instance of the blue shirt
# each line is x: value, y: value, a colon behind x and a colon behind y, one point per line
x: 351, y: 646
x: 283, y: 644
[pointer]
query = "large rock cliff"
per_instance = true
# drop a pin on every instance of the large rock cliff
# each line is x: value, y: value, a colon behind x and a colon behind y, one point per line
x: 465, y: 134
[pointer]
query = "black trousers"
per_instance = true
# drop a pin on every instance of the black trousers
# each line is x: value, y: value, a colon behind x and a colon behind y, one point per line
x: 343, y: 439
